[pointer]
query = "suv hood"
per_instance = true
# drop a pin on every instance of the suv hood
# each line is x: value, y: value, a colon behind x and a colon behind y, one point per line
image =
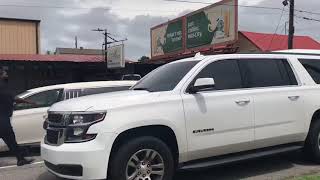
x: 102, y: 102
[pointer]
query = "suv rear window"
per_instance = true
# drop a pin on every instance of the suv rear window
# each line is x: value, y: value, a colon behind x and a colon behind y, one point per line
x: 313, y: 68
x: 266, y: 73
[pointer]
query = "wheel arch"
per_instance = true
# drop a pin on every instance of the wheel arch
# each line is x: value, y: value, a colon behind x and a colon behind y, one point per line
x: 315, y: 116
x: 162, y: 132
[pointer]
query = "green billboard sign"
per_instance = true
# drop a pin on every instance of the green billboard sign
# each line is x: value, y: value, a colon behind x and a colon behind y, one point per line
x: 213, y: 26
x: 167, y: 38
x: 197, y: 30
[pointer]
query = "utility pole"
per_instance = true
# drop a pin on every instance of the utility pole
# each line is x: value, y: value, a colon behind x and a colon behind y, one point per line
x: 106, y: 47
x: 106, y: 43
x: 105, y: 33
x: 291, y: 22
x: 76, y: 42
x: 291, y: 25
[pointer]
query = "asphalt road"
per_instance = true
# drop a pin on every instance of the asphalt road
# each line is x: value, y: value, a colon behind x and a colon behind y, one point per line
x: 280, y: 167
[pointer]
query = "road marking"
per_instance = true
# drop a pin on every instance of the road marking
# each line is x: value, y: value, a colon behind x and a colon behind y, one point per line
x: 14, y: 166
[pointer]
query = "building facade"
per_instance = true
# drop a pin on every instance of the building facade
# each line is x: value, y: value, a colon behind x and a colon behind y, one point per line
x: 31, y: 71
x: 19, y: 36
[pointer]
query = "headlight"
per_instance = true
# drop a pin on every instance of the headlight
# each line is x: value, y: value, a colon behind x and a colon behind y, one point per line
x: 83, y: 119
x: 79, y: 125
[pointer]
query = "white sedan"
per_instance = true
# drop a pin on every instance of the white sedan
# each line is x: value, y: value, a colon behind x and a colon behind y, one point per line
x: 27, y: 120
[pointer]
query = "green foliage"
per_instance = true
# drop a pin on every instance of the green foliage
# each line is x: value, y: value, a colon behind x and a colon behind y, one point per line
x: 144, y: 59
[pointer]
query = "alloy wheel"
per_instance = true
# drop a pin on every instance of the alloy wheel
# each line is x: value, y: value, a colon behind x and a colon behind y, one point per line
x: 146, y: 164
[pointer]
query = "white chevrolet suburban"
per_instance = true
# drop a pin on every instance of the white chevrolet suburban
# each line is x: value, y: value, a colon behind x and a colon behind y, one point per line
x: 193, y: 113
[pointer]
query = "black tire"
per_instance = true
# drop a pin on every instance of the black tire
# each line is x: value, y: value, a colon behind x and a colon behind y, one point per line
x: 312, y: 146
x: 120, y: 158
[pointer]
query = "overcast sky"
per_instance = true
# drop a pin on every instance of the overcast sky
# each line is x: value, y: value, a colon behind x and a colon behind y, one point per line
x: 132, y: 19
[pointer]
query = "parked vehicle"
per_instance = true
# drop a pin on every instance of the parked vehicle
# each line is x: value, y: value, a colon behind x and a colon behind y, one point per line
x: 27, y: 119
x: 188, y: 114
x: 131, y: 77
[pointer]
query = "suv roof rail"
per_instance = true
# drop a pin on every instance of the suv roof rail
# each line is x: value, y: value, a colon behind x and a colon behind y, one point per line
x: 300, y: 52
x: 307, y: 52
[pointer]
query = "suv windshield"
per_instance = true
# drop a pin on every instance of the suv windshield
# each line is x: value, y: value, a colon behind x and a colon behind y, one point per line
x: 166, y: 77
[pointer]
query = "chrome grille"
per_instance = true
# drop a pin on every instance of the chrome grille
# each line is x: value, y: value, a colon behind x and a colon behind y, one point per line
x: 55, y: 118
x: 56, y: 128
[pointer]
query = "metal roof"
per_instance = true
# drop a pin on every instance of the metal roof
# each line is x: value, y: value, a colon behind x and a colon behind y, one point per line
x: 19, y: 19
x: 54, y: 58
x: 274, y: 42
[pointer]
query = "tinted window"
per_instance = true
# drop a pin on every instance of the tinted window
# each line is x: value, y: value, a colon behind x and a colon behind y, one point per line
x: 91, y: 91
x: 42, y: 99
x: 131, y: 77
x: 225, y: 73
x: 166, y: 77
x: 313, y: 68
x: 265, y: 73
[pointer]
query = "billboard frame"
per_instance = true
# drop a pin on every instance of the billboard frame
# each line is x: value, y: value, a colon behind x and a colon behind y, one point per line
x: 185, y: 50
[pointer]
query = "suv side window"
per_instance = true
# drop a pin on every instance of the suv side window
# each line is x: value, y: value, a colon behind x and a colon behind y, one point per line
x: 266, y: 73
x: 42, y: 99
x: 226, y: 74
x: 91, y: 91
x: 313, y: 68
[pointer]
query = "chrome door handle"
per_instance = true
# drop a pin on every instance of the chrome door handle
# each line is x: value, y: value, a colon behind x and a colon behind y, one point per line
x: 293, y: 98
x: 243, y: 102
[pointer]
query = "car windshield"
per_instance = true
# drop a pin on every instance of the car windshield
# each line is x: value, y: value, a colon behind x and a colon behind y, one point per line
x: 166, y: 77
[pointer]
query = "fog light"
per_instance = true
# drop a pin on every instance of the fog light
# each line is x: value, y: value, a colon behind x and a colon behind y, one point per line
x: 78, y: 131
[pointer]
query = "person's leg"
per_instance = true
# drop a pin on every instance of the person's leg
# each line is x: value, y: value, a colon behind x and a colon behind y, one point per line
x: 10, y: 140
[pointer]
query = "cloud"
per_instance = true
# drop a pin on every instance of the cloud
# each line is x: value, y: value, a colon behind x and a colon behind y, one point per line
x: 126, y: 19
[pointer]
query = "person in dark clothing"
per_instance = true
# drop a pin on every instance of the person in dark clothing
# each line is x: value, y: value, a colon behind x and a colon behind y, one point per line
x: 7, y: 134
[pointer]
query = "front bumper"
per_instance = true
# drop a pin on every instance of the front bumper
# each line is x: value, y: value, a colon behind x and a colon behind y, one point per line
x: 88, y: 160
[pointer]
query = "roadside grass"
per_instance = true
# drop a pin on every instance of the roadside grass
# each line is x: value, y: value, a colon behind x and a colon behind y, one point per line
x: 309, y: 177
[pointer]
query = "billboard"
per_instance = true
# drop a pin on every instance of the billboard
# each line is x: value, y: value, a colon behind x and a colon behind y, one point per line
x: 167, y: 38
x: 115, y: 56
x: 215, y: 25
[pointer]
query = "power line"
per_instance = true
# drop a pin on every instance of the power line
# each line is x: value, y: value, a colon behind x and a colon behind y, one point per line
x: 307, y: 18
x: 308, y: 12
x: 244, y: 6
x: 109, y: 8
x: 82, y: 8
x: 183, y: 1
x: 276, y: 28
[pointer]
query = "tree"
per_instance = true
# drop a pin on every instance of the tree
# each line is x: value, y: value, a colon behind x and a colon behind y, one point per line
x: 144, y: 59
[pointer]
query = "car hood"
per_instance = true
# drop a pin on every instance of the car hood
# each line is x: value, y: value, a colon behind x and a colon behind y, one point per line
x: 102, y: 102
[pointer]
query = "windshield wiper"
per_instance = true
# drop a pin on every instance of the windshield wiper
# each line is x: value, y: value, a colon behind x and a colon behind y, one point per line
x: 143, y: 89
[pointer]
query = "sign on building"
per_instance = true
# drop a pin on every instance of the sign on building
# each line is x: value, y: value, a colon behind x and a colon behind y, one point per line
x: 116, y: 56
x: 212, y: 26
